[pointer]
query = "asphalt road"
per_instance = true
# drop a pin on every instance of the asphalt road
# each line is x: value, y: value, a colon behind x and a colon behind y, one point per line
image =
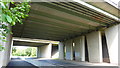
x: 18, y: 63
x: 34, y: 63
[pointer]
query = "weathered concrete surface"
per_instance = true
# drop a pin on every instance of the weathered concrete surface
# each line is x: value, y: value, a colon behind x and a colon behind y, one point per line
x: 80, y: 48
x: 69, y: 49
x: 5, y: 55
x: 112, y: 43
x: 44, y: 51
x: 61, y: 50
x: 38, y: 52
x: 94, y: 44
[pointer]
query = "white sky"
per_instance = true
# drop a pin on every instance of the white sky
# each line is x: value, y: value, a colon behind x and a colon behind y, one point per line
x: 21, y: 47
x: 115, y: 3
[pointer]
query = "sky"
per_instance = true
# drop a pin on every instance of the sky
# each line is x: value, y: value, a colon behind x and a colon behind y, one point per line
x: 114, y: 2
x: 21, y: 47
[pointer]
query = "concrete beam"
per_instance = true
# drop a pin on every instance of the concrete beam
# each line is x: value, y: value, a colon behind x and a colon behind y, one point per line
x: 60, y: 14
x: 69, y: 50
x: 80, y: 48
x: 61, y: 50
x: 112, y: 43
x: 97, y: 9
x: 34, y: 40
x: 94, y: 44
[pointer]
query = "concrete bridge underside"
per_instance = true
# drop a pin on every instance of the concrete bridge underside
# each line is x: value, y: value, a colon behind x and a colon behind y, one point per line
x: 61, y: 21
x: 85, y: 34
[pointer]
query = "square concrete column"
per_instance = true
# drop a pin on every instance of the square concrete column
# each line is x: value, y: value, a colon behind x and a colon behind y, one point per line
x: 112, y: 43
x: 44, y: 51
x: 38, y: 52
x: 8, y: 49
x: 61, y: 50
x: 94, y: 44
x: 69, y: 50
x: 79, y: 48
x: 5, y: 54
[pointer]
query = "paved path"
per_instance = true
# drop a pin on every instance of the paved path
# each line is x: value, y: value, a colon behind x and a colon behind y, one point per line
x: 60, y: 63
x: 18, y: 63
x: 48, y: 63
x: 67, y: 64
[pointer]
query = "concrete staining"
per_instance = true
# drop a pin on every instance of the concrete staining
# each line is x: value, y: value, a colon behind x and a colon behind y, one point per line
x: 61, y: 50
x: 69, y: 50
x: 80, y: 48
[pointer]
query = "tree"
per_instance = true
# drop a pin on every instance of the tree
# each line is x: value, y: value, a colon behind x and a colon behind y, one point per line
x: 28, y: 51
x: 34, y: 51
x: 14, y: 49
x: 11, y: 15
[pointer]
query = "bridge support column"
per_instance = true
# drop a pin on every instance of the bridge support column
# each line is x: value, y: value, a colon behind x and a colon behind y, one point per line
x: 44, y: 51
x: 69, y: 50
x: 61, y: 50
x: 80, y: 48
x: 112, y: 43
x: 38, y: 52
x: 94, y: 44
x: 5, y: 54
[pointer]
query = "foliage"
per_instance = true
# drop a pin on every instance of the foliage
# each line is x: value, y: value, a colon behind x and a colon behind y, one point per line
x: 1, y: 48
x: 30, y: 52
x: 10, y: 16
x: 14, y: 49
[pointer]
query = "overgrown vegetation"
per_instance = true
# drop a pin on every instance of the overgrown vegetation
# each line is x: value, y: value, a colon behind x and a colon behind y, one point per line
x: 10, y: 14
x: 28, y: 52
